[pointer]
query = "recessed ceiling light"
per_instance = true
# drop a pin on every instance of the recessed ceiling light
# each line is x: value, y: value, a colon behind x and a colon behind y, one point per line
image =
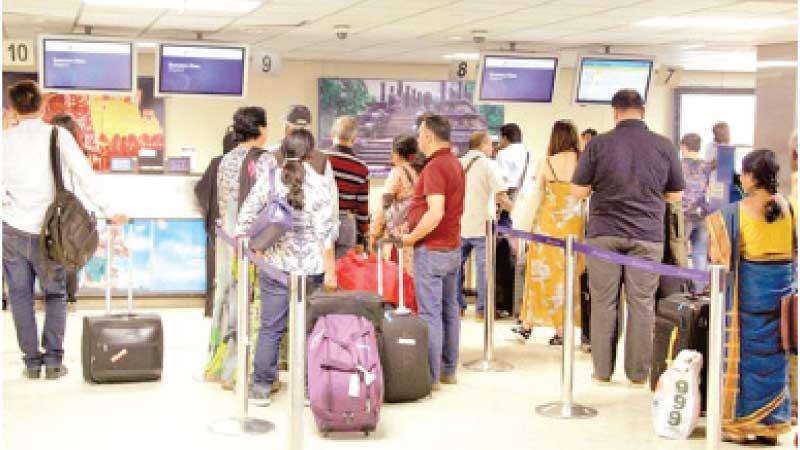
x: 455, y: 38
x: 236, y: 6
x: 775, y: 64
x: 716, y: 23
x: 462, y: 56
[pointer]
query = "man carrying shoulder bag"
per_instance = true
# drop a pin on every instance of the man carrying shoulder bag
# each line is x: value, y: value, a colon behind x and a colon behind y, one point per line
x: 45, y: 227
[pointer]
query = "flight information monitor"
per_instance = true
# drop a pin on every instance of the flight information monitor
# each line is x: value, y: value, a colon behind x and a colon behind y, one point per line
x: 86, y: 65
x: 202, y: 70
x: 518, y: 78
x: 600, y: 78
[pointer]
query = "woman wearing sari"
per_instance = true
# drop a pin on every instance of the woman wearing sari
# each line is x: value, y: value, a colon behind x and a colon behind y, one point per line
x: 753, y: 238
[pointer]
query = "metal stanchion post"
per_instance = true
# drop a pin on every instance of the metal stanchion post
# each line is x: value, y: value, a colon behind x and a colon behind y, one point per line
x: 716, y: 330
x: 488, y: 363
x: 297, y: 363
x: 565, y: 408
x: 241, y: 423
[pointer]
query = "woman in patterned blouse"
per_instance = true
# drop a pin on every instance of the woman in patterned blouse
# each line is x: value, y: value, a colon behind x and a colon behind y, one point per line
x: 298, y: 252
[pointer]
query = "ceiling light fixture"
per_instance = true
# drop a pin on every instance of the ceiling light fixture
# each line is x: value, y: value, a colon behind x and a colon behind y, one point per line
x: 715, y: 23
x: 234, y: 6
x: 776, y: 64
x: 462, y: 56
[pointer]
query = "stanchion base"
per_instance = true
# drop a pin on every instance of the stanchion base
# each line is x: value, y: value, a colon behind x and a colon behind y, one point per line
x: 558, y: 410
x: 235, y: 426
x: 483, y: 365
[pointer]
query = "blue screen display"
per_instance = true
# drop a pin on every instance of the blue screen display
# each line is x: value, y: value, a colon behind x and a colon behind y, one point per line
x: 87, y: 65
x: 201, y: 70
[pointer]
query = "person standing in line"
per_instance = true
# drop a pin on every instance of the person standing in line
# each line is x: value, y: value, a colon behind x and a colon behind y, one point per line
x: 587, y: 136
x: 352, y: 183
x: 754, y: 239
x: 631, y: 173
x: 434, y: 219
x: 559, y: 215
x: 206, y: 193
x: 299, y: 251
x: 484, y: 190
x: 696, y: 173
x: 514, y: 162
x: 68, y: 123
x: 298, y: 117
x: 392, y: 217
x: 722, y: 136
x: 28, y: 192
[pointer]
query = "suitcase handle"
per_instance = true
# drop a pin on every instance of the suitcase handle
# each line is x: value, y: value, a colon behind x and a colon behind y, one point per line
x: 401, y: 306
x: 109, y: 260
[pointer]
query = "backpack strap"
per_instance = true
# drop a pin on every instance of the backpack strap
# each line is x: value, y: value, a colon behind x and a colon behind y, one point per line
x: 55, y: 160
x: 408, y: 175
x: 471, y: 163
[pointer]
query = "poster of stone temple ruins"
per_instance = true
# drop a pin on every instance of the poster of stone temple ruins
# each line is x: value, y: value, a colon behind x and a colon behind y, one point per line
x: 388, y: 108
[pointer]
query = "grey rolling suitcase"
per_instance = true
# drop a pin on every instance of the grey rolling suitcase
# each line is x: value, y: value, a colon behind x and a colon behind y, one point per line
x: 121, y: 347
x: 406, y: 371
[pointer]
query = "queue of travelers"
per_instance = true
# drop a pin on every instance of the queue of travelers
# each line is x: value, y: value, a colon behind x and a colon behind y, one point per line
x: 436, y: 205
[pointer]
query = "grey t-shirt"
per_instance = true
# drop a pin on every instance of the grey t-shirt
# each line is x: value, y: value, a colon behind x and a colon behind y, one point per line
x: 629, y: 169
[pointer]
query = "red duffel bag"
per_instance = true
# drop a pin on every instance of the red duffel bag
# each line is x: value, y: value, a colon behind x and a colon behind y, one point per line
x: 357, y: 272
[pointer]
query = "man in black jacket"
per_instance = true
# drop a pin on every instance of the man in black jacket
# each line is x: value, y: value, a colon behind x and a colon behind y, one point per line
x: 206, y: 192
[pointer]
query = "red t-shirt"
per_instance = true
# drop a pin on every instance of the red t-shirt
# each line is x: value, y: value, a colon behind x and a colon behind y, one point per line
x: 442, y: 175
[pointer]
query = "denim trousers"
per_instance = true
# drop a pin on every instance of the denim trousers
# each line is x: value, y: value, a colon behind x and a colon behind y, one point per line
x: 467, y: 246
x: 21, y: 267
x: 435, y: 281
x: 274, y: 316
x: 698, y: 237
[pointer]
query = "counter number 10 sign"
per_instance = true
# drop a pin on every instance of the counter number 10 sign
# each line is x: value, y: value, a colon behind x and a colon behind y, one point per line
x: 19, y: 54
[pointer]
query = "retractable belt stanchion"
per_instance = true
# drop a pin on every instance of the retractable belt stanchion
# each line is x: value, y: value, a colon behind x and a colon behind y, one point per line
x: 565, y: 408
x: 488, y: 363
x: 297, y: 363
x: 716, y: 330
x: 401, y: 310
x: 241, y: 423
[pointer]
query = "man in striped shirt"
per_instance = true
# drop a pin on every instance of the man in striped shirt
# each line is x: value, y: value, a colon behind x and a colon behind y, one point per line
x: 352, y: 181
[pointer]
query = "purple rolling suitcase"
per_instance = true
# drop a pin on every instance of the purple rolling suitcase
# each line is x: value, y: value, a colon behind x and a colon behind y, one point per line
x: 345, y: 378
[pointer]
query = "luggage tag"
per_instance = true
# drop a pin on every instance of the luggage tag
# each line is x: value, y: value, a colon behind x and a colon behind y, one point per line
x: 407, y: 341
x: 369, y: 377
x: 355, y: 387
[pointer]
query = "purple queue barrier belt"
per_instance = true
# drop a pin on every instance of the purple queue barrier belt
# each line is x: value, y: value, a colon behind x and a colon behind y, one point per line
x: 612, y: 257
x: 272, y: 271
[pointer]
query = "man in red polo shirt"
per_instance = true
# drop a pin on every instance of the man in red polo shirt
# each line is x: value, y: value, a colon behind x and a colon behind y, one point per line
x: 435, y: 220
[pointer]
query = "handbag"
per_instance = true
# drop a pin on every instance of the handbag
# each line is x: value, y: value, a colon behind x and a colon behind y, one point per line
x: 789, y: 304
x: 272, y: 222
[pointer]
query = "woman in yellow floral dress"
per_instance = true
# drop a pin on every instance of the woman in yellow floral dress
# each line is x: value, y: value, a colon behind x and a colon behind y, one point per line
x: 559, y: 215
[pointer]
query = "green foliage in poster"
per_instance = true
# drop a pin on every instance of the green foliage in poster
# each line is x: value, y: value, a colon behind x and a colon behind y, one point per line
x: 344, y: 97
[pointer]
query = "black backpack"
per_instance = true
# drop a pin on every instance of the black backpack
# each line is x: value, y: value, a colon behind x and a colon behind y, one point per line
x: 69, y: 232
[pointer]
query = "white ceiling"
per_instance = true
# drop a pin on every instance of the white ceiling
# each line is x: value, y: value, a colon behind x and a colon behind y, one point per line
x: 422, y: 31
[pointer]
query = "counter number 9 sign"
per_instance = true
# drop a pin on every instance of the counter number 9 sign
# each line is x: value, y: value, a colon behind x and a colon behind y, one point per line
x: 678, y: 403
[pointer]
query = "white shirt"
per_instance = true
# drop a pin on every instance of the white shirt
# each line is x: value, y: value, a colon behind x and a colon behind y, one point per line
x: 28, y: 185
x: 482, y: 183
x: 511, y: 161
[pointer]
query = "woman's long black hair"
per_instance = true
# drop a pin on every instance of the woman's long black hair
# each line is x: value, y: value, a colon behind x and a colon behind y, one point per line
x: 763, y: 167
x: 296, y: 147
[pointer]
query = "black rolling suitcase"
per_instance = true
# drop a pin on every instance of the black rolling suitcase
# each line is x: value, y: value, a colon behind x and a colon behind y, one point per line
x: 121, y: 347
x: 406, y: 370
x: 358, y: 303
x: 681, y: 323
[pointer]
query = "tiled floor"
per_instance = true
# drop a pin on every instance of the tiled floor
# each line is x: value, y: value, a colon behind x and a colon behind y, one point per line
x: 484, y: 411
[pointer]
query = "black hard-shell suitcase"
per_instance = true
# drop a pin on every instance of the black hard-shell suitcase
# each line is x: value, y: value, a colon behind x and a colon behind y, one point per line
x: 359, y: 303
x: 121, y: 347
x: 681, y: 323
x: 406, y: 370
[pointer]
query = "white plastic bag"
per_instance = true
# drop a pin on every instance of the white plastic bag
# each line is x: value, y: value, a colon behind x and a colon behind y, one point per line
x: 676, y: 404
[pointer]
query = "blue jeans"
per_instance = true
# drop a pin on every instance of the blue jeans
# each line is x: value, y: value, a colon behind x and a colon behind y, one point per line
x: 479, y: 245
x: 274, y: 315
x: 698, y: 236
x: 21, y: 267
x: 435, y: 281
